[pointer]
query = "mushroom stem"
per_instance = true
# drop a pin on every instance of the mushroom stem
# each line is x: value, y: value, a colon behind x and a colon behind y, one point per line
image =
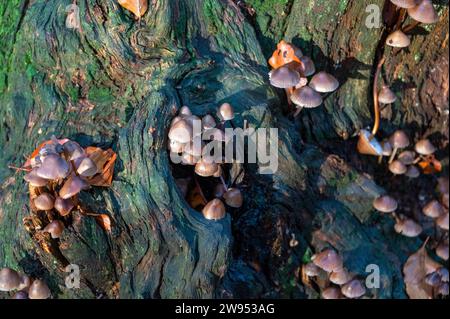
x: 410, y: 26
x: 380, y: 159
x: 289, y: 92
x: 401, y: 18
x: 376, y: 104
x: 223, y: 181
x: 297, y: 111
x: 205, y: 201
x: 417, y: 160
x: 394, y: 152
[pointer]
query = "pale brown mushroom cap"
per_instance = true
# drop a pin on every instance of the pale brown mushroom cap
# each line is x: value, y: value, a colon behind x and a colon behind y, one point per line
x: 284, y: 77
x: 407, y: 157
x: 406, y: 4
x: 397, y: 39
x: 208, y: 122
x: 442, y: 251
x: 324, y: 83
x: 442, y: 222
x: 311, y: 270
x: 175, y: 120
x: 308, y: 67
x: 73, y: 150
x: 331, y: 293
x: 433, y: 279
x: 385, y: 204
x: 9, y: 279
x: 86, y: 167
x: 185, y: 111
x: 39, y: 290
x: 233, y: 198
x: 206, y: 168
x: 73, y: 185
x: 408, y: 227
x: 399, y: 139
x: 398, y: 168
x: 353, y: 289
x: 64, y: 206
x: 412, y: 172
x: 368, y: 144
x: 424, y: 147
x: 306, y: 97
x: 34, y: 180
x: 226, y: 112
x: 424, y: 12
x: 341, y: 277
x: 44, y: 201
x: 181, y: 132
x: 53, y: 167
x: 214, y: 210
x: 386, y: 96
x: 55, y: 229
x: 433, y: 209
x: 328, y: 260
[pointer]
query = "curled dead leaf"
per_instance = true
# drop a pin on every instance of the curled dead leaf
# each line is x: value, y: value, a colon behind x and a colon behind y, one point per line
x: 105, y: 161
x: 104, y: 221
x: 138, y: 7
x: 430, y: 165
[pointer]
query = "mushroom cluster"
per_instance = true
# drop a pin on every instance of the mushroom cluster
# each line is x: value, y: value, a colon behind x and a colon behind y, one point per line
x: 340, y: 283
x: 291, y: 70
x: 421, y: 11
x: 439, y: 281
x: 23, y: 286
x: 190, y: 138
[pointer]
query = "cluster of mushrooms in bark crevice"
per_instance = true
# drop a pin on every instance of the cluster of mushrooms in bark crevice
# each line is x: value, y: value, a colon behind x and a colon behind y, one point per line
x: 203, y: 176
x: 22, y: 286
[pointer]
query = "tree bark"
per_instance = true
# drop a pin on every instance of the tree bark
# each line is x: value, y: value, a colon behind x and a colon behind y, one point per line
x: 118, y: 82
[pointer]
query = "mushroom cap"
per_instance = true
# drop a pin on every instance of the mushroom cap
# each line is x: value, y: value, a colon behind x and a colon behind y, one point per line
x: 226, y: 112
x: 341, y: 277
x: 386, y: 96
x: 181, y: 132
x: 206, y: 168
x: 443, y: 289
x: 406, y: 4
x: 306, y: 97
x: 442, y: 222
x: 399, y: 139
x: 397, y: 168
x: 55, y: 228
x: 424, y: 147
x: 284, y: 77
x: 20, y: 295
x: 433, y: 279
x: 175, y: 119
x: 64, y: 206
x: 86, y: 167
x: 9, y: 279
x: 397, y: 39
x: 412, y: 172
x: 323, y: 82
x: 195, y: 122
x: 385, y: 204
x: 308, y: 68
x: 328, y: 260
x: 39, y: 290
x: 233, y: 198
x: 433, y: 209
x: 214, y: 210
x: 408, y: 228
x: 353, y: 289
x: 73, y: 185
x: 176, y: 147
x: 208, y: 122
x: 368, y: 144
x: 387, y: 148
x: 443, y: 272
x: 311, y: 270
x: 445, y: 200
x: 53, y: 167
x: 331, y: 293
x: 34, y: 180
x: 44, y: 201
x: 219, y: 190
x: 73, y: 150
x: 424, y: 12
x: 443, y: 185
x: 185, y: 111
x: 407, y: 157
x: 25, y: 282
x: 442, y: 251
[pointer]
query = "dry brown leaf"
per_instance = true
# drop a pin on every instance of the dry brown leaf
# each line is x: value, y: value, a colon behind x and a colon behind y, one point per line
x: 105, y: 161
x: 104, y: 221
x: 415, y: 270
x: 138, y: 7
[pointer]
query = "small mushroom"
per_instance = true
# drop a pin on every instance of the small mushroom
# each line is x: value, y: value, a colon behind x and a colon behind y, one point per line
x: 219, y: 190
x: 25, y: 282
x: 181, y: 132
x: 407, y: 157
x: 412, y: 172
x: 45, y: 201
x: 233, y: 198
x: 308, y: 67
x: 284, y: 77
x: 55, y: 229
x: 385, y: 204
x: 442, y: 222
x: 424, y: 147
x: 324, y: 83
x: 424, y: 12
x: 408, y: 227
x: 433, y: 209
x: 442, y: 251
x: 226, y: 112
x: 443, y: 272
x: 20, y: 295
x: 397, y: 39
x: 185, y: 111
x: 9, y: 279
x: 433, y: 279
x: 53, y: 167
x: 443, y: 289
x: 353, y: 289
x: 406, y: 4
x: 368, y: 144
x: 208, y: 122
x: 311, y: 270
x: 328, y: 260
x: 73, y: 150
x: 306, y: 97
x: 73, y: 185
x: 214, y: 210
x: 39, y: 290
x: 386, y: 96
x: 34, y: 180
x: 86, y: 167
x: 205, y: 168
x: 443, y: 185
x: 331, y: 293
x: 398, y: 140
x: 397, y: 168
x: 341, y: 277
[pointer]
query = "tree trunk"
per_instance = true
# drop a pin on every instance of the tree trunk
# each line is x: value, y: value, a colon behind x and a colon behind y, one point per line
x: 118, y: 82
